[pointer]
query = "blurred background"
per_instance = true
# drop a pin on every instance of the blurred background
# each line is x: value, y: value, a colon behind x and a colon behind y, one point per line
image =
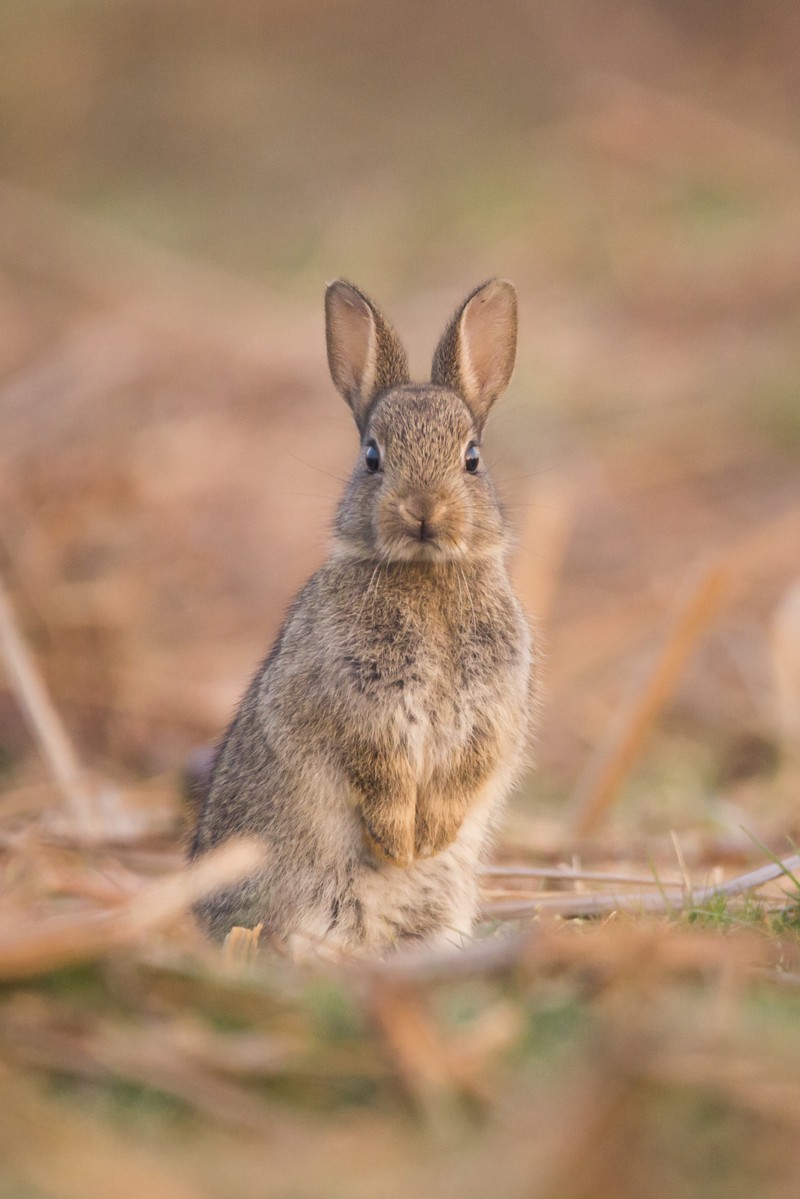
x: 178, y: 182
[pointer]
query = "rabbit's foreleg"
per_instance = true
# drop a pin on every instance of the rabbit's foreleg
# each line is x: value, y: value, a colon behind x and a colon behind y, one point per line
x: 443, y: 804
x: 386, y: 793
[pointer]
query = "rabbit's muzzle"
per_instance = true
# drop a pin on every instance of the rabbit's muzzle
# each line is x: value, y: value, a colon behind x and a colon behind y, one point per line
x: 421, y: 526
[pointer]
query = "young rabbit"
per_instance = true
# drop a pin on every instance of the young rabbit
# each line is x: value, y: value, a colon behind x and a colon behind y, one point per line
x: 374, y: 748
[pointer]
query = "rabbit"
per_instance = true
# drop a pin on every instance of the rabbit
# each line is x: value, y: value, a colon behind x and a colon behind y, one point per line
x: 375, y: 746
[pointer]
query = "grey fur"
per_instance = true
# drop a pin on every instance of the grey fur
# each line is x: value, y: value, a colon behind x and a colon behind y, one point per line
x: 374, y: 748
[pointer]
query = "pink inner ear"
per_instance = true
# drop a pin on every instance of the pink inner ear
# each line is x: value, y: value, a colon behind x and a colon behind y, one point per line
x: 489, y: 333
x: 351, y: 322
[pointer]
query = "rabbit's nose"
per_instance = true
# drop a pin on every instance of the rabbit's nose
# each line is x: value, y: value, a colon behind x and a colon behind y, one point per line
x: 422, y: 515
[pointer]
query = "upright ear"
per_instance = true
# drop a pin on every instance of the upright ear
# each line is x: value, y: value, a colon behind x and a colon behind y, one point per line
x: 476, y: 354
x: 364, y: 354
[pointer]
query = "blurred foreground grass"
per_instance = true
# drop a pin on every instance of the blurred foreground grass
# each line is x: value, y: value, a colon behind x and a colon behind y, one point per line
x: 635, y: 1056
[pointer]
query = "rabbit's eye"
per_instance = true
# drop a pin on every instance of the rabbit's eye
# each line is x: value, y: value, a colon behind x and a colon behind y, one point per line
x: 472, y: 458
x: 372, y: 457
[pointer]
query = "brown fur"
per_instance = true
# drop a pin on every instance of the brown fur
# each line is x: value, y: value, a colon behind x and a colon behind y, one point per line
x: 374, y: 748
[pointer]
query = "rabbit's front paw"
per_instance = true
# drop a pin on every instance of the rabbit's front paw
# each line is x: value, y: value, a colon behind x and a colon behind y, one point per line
x: 390, y: 839
x: 436, y: 827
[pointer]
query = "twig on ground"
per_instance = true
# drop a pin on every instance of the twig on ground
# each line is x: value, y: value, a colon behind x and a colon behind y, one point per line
x: 612, y: 763
x: 151, y: 1056
x: 40, y: 946
x: 599, y: 904
x: 564, y: 872
x: 36, y: 705
x: 433, y: 1076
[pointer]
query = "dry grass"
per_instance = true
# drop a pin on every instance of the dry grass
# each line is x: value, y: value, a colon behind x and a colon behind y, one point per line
x: 545, y: 1058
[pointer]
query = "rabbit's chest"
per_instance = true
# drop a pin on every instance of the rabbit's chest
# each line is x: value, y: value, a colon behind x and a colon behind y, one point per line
x: 432, y: 730
x: 431, y: 683
x: 437, y: 713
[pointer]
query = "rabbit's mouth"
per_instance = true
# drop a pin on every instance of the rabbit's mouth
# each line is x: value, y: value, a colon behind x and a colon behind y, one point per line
x: 421, y: 528
x: 424, y: 545
x: 436, y: 548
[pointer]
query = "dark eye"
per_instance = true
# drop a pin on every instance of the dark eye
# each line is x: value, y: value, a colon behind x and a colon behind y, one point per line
x: 372, y: 458
x: 472, y: 458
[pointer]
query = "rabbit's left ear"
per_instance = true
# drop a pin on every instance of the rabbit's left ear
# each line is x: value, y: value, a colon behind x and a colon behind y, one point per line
x: 475, y: 357
x: 364, y: 352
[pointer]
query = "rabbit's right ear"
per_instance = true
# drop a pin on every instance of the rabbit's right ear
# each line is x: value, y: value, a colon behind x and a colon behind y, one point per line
x: 475, y: 357
x: 364, y: 354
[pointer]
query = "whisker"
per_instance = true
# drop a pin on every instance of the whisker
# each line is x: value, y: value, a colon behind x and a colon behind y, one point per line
x: 313, y: 466
x: 460, y: 595
x: 463, y: 575
x: 515, y: 545
x: 375, y: 593
x: 366, y: 593
x: 313, y: 495
x: 536, y: 473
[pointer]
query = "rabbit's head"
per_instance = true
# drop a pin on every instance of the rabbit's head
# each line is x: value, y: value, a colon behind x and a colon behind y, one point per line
x: 420, y: 490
